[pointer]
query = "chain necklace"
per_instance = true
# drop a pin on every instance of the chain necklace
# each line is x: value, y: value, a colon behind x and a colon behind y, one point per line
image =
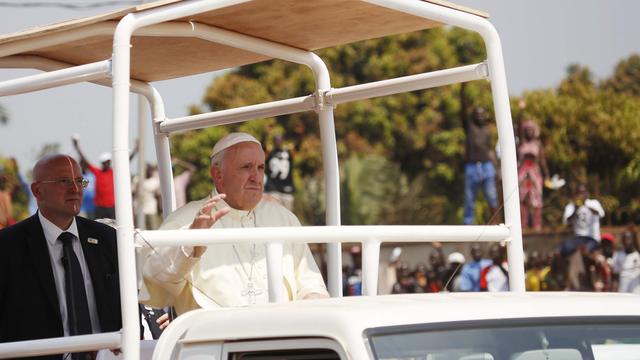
x: 251, y: 290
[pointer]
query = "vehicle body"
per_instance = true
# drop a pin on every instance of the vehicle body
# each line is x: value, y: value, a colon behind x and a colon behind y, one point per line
x: 416, y: 326
x: 167, y: 39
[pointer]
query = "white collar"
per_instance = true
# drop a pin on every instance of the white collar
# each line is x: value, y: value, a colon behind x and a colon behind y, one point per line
x: 52, y: 231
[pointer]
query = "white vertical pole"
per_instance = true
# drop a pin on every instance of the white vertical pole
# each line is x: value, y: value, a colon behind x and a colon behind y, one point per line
x: 142, y: 174
x: 122, y: 182
x: 370, y: 263
x: 331, y: 175
x: 163, y: 155
x: 124, y: 215
x: 510, y: 192
x: 502, y: 110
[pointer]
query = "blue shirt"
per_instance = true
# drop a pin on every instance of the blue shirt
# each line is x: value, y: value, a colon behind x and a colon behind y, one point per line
x: 470, y: 274
x: 88, y: 206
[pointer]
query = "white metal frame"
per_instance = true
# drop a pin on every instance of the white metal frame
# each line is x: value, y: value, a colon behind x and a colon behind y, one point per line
x: 148, y: 23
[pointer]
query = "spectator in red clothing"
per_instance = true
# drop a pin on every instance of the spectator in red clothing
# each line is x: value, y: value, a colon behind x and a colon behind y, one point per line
x: 104, y: 198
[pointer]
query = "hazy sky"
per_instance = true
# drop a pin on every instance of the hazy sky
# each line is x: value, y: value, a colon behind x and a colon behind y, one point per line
x: 540, y: 39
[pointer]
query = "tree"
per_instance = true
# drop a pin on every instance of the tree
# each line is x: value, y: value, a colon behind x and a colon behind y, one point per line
x: 626, y: 77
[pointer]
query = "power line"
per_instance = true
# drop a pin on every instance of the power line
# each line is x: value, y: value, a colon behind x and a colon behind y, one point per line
x: 67, y: 5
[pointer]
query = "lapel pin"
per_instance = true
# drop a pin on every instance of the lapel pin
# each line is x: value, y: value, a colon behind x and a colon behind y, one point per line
x: 92, y: 241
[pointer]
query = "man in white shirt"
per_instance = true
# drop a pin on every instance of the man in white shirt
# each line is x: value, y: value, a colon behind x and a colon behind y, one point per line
x: 229, y: 275
x: 629, y: 265
x: 584, y: 215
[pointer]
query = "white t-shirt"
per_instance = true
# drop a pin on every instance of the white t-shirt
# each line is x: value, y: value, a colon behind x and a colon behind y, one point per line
x: 586, y: 221
x: 497, y: 280
x: 630, y: 274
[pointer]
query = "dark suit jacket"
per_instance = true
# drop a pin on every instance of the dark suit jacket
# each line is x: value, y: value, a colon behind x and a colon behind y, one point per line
x: 29, y: 307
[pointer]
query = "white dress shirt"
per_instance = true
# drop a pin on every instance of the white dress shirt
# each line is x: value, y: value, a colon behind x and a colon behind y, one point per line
x: 51, y: 233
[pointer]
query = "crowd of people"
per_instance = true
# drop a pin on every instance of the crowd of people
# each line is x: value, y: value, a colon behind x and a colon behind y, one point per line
x: 612, y: 265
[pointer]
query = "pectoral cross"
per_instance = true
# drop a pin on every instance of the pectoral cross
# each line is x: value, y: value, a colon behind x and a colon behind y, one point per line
x: 250, y: 292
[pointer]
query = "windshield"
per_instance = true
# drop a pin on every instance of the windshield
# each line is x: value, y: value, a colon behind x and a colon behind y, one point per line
x: 529, y: 339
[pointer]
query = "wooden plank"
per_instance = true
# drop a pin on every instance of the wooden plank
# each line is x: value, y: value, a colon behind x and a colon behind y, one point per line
x: 308, y: 25
x: 45, y: 30
x: 313, y: 25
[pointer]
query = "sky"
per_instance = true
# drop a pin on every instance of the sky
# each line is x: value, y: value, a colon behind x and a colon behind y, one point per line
x: 539, y: 39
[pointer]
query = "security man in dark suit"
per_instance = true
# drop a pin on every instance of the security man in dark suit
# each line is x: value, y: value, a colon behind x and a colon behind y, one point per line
x: 58, y: 271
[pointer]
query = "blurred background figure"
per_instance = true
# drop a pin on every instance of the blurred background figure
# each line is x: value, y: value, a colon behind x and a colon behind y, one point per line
x: 406, y: 283
x: 420, y: 279
x: 354, y: 273
x: 387, y: 275
x: 533, y: 275
x: 6, y: 204
x: 104, y: 192
x: 279, y: 168
x: 479, y: 168
x: 532, y: 170
x: 554, y: 275
x: 452, y: 275
x: 150, y: 197
x: 495, y: 277
x: 88, y: 209
x: 470, y: 272
x: 181, y: 181
x: 629, y: 270
x: 583, y: 214
x: 437, y: 269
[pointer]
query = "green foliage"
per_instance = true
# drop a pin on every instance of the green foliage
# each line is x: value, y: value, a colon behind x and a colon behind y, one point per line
x: 11, y: 183
x: 626, y: 77
x: 369, y: 186
x: 592, y: 135
x: 402, y: 156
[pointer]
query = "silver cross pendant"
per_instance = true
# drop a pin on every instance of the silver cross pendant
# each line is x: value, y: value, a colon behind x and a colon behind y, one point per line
x: 251, y: 292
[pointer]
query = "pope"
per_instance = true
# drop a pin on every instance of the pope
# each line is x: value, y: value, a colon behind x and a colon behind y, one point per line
x: 229, y: 275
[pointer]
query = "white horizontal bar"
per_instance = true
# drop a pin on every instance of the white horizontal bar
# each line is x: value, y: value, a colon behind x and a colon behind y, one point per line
x: 45, y: 64
x: 87, y: 72
x: 230, y: 116
x: 332, y: 97
x: 327, y: 234
x: 60, y: 345
x: 407, y: 83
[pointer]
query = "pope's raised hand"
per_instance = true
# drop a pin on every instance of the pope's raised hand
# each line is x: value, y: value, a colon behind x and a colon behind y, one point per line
x: 205, y: 218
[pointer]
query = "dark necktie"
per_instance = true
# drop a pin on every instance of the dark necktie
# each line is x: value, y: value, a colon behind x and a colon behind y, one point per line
x: 78, y: 318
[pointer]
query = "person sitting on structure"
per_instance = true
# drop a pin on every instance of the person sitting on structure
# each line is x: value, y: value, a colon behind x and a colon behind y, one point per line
x: 229, y: 275
x: 583, y: 214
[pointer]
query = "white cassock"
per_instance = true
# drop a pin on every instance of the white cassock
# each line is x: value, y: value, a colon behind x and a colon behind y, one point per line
x: 226, y: 275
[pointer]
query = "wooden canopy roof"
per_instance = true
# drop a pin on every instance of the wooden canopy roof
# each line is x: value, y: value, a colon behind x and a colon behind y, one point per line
x: 307, y: 25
